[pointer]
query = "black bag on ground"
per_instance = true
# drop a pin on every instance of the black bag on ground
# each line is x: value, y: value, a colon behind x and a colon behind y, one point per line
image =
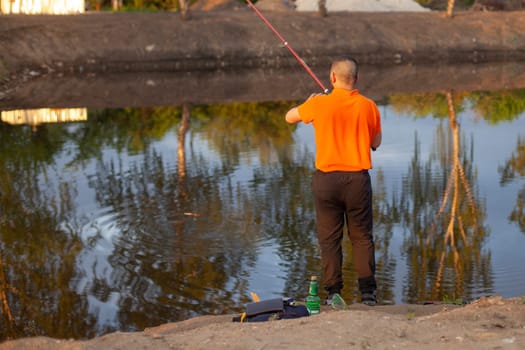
x: 272, y: 309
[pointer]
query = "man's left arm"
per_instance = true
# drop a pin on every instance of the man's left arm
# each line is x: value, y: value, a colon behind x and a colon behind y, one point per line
x: 292, y: 116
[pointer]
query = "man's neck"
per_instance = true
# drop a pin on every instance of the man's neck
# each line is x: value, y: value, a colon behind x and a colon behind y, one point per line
x: 344, y: 87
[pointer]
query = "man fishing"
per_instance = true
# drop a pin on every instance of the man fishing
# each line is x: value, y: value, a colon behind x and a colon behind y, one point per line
x: 346, y: 125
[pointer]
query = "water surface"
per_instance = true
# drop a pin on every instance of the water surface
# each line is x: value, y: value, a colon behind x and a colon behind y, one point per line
x: 127, y: 218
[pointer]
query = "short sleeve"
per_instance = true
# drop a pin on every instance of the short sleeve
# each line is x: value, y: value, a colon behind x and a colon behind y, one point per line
x: 306, y: 110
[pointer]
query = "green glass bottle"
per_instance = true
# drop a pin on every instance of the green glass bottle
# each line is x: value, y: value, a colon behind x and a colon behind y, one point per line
x: 313, y: 301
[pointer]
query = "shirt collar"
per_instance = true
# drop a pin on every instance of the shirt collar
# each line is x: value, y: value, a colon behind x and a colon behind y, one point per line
x: 345, y: 91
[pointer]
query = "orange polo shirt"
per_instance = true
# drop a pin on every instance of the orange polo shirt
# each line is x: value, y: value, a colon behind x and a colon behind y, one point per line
x: 345, y: 123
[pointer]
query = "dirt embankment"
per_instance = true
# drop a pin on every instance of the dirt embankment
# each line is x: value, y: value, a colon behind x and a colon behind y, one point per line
x: 239, y: 39
x: 90, y: 53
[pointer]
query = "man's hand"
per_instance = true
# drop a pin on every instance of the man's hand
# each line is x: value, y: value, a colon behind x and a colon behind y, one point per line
x: 314, y: 94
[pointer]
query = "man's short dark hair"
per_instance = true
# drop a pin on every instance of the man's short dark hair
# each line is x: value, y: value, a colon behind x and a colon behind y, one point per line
x: 350, y: 74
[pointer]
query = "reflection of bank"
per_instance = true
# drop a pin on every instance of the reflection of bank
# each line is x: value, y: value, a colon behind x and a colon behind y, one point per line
x: 35, y: 117
x: 50, y: 7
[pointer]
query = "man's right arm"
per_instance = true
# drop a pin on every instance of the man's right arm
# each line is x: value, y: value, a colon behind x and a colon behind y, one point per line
x: 378, y: 137
x: 376, y: 142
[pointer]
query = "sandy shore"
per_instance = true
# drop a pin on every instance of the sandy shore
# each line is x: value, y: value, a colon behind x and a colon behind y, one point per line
x: 488, y: 323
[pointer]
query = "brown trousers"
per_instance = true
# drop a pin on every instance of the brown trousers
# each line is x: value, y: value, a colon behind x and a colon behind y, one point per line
x: 341, y: 197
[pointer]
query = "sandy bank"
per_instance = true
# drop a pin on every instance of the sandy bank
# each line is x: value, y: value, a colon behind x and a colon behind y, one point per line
x: 238, y: 39
x: 489, y: 323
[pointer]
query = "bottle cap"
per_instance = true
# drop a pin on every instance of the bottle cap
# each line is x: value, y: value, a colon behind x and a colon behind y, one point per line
x: 313, y: 278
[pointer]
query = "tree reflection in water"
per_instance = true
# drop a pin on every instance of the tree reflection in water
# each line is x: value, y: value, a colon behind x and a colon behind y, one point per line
x: 37, y: 250
x: 514, y: 168
x: 462, y: 216
x: 445, y: 220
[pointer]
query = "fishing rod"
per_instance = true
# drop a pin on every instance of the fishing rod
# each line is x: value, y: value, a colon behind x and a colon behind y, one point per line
x: 285, y: 43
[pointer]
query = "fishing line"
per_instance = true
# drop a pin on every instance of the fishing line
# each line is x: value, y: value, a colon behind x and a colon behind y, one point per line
x: 287, y: 45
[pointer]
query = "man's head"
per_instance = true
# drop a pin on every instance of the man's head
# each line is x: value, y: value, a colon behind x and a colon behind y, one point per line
x: 344, y: 72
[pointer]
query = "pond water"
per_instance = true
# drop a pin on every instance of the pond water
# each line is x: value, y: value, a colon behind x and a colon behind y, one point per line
x: 127, y: 218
